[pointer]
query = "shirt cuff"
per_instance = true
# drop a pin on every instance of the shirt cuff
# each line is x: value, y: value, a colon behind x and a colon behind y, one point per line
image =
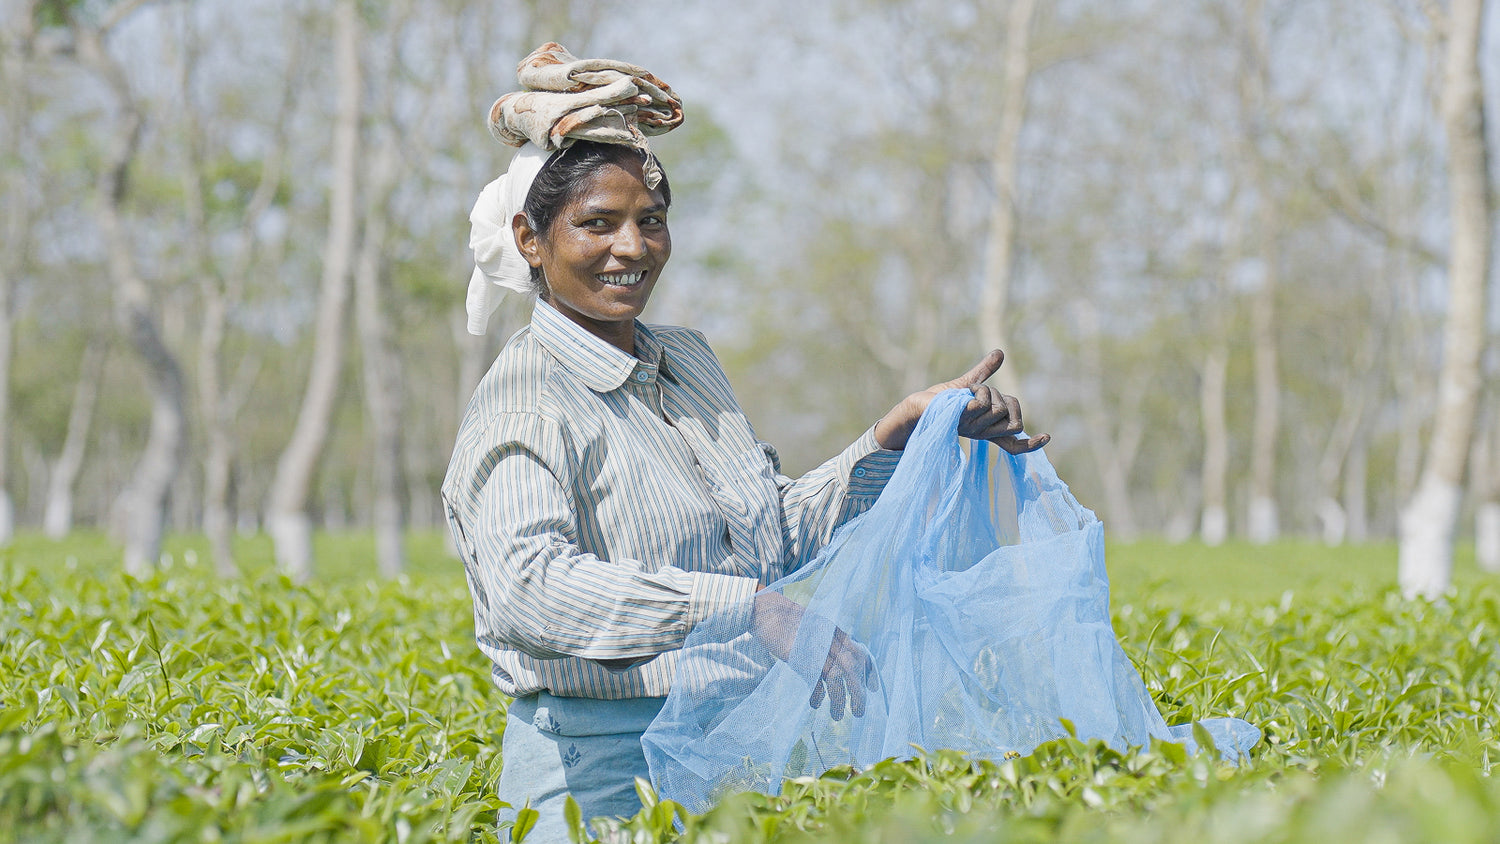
x: 865, y: 467
x: 727, y: 599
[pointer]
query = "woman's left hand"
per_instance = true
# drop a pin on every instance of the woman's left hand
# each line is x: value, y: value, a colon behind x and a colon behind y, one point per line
x: 990, y: 416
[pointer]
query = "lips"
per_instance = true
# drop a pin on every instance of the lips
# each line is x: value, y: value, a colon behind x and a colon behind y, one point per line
x: 621, y: 279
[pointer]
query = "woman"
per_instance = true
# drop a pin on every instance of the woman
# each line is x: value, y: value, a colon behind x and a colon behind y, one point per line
x: 606, y: 491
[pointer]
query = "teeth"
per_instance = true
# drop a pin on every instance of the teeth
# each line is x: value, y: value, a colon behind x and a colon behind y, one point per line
x: 621, y: 279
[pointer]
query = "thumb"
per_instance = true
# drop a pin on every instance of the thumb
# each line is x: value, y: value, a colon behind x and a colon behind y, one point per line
x: 982, y: 370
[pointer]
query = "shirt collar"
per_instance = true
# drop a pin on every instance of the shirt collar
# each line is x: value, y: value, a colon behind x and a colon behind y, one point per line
x: 599, y: 365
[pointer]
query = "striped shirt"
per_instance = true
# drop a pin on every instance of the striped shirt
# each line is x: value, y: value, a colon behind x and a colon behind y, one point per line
x: 605, y: 503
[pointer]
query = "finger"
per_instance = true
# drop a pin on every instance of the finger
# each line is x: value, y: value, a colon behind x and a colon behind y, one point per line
x: 979, y: 406
x: 836, y: 694
x: 856, y: 699
x: 1018, y: 445
x: 992, y: 426
x: 819, y: 689
x: 985, y: 415
x: 854, y: 672
x: 982, y: 370
x: 1013, y: 413
x: 858, y: 679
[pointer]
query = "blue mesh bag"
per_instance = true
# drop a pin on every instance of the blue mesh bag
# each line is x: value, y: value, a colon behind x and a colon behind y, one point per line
x: 967, y: 609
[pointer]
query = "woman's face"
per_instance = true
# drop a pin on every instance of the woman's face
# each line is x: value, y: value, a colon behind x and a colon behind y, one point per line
x: 602, y: 255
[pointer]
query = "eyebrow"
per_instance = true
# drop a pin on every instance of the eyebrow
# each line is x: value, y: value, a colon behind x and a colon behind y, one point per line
x: 600, y: 211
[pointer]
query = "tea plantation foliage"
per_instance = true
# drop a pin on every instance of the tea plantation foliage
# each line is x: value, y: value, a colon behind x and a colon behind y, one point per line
x: 186, y: 708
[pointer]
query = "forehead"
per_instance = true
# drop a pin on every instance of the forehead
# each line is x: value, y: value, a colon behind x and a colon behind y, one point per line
x: 613, y: 187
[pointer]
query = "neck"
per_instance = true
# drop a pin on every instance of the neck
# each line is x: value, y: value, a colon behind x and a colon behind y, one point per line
x: 622, y: 337
x: 620, y: 334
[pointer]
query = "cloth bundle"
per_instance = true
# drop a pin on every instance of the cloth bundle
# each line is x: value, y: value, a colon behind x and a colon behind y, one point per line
x: 977, y: 588
x: 566, y: 99
x: 570, y: 99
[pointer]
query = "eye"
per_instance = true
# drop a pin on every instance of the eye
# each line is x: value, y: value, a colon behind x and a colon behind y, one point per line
x: 595, y: 223
x: 654, y: 220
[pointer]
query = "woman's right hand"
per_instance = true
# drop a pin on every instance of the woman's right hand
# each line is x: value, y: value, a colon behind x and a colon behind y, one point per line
x: 847, y: 672
x: 988, y: 416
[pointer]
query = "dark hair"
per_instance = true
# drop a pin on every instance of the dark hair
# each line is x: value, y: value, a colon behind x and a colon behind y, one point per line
x: 564, y: 176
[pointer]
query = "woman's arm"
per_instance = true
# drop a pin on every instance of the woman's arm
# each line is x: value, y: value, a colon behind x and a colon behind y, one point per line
x: 816, y: 504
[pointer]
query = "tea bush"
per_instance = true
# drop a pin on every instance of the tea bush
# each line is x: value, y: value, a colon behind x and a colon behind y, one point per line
x: 184, y: 708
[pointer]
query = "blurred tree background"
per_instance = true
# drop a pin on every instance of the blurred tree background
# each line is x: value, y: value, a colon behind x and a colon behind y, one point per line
x: 1237, y: 252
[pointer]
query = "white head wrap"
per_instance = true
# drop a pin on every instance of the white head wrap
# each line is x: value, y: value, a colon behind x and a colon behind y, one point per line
x: 497, y: 261
x: 566, y: 99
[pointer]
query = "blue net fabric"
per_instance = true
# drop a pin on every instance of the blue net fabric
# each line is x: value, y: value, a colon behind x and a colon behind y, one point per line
x: 975, y: 587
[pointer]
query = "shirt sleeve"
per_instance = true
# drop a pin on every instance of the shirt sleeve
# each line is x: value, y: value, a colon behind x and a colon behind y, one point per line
x: 818, y: 503
x: 536, y: 591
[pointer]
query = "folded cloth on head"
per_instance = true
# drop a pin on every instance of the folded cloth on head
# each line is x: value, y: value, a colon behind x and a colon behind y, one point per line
x: 570, y: 99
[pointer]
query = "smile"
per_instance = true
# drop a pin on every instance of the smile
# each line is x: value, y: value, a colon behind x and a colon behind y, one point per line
x: 621, y: 279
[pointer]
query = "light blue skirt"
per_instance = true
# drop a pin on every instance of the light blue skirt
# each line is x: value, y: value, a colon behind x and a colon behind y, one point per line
x: 556, y: 746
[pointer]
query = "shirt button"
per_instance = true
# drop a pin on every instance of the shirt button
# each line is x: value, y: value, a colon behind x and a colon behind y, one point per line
x: 859, y: 472
x: 643, y: 376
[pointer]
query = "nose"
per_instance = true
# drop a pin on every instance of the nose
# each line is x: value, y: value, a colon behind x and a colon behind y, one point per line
x: 629, y: 243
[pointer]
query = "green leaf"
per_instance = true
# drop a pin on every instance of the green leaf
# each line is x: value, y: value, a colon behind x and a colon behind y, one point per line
x: 573, y: 815
x: 526, y: 819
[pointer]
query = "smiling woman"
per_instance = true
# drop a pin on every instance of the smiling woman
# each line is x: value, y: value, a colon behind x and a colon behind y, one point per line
x: 606, y: 492
x: 597, y: 258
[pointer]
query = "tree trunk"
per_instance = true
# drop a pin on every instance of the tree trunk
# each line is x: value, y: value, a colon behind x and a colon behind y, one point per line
x: 1429, y: 520
x: 1356, y: 494
x: 7, y: 347
x: 1487, y: 535
x: 1413, y: 383
x: 16, y: 196
x: 1338, y: 451
x: 146, y: 497
x: 222, y: 276
x: 382, y: 368
x: 999, y: 262
x: 287, y: 518
x: 1487, y: 512
x: 1211, y: 395
x: 57, y: 518
x: 1262, y: 525
x: 1114, y: 445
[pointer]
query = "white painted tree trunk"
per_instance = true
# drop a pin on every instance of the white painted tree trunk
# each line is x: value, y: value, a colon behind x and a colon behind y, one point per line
x: 57, y: 517
x: 1487, y: 536
x: 1335, y: 522
x: 1431, y: 517
x: 287, y: 519
x: 146, y: 496
x: 15, y: 199
x: 1356, y: 477
x: 1215, y: 526
x: 382, y: 367
x: 224, y: 274
x: 1426, y: 538
x: 1262, y: 524
x: 1487, y: 513
x: 1114, y: 438
x: 999, y: 262
x: 218, y: 524
x: 7, y: 346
